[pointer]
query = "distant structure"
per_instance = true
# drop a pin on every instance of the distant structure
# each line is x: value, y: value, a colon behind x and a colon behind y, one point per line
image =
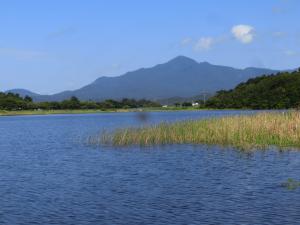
x: 204, y: 96
x: 195, y: 104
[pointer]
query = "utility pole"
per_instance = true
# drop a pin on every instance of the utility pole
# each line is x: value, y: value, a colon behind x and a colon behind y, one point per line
x: 204, y: 96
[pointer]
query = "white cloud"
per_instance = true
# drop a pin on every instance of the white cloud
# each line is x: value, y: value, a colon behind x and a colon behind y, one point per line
x: 290, y: 53
x: 21, y: 54
x: 186, y: 41
x: 62, y: 32
x: 116, y: 66
x: 204, y: 43
x: 279, y: 34
x: 277, y: 9
x: 243, y: 33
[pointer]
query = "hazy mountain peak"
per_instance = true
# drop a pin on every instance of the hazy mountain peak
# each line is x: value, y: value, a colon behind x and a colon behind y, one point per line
x: 22, y: 92
x: 205, y: 63
x: 182, y: 60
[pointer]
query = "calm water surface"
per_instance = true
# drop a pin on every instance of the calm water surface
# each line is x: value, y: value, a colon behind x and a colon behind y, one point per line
x: 49, y: 175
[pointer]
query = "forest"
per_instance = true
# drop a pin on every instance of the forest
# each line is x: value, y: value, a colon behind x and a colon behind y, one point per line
x: 277, y: 91
x: 11, y: 101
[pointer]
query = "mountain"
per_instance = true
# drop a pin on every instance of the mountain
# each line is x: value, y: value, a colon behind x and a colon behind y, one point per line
x: 180, y: 76
x: 280, y: 91
x: 23, y: 92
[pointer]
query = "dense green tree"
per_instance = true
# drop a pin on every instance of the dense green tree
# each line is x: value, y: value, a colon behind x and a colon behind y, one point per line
x: 10, y: 101
x: 28, y: 99
x: 186, y: 104
x: 279, y: 91
x: 72, y: 103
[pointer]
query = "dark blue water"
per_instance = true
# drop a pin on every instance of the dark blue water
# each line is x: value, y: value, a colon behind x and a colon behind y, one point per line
x: 49, y: 175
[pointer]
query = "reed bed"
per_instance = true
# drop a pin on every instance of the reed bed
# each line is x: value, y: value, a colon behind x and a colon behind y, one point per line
x: 281, y: 129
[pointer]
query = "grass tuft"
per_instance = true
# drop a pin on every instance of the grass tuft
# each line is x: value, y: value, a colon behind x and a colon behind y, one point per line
x: 291, y: 184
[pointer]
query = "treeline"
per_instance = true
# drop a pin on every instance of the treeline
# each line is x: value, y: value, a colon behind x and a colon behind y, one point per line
x: 197, y: 103
x: 280, y: 91
x: 11, y: 101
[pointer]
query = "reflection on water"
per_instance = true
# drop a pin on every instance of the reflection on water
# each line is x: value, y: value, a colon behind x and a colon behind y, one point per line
x: 49, y: 176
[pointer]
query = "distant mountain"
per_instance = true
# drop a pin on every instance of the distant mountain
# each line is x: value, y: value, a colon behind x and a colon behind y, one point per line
x: 23, y: 92
x: 180, y: 76
x: 280, y: 91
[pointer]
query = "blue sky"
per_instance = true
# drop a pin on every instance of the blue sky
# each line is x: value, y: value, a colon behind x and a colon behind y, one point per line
x: 54, y: 45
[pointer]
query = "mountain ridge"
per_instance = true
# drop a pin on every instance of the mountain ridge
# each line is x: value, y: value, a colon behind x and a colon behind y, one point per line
x: 180, y: 76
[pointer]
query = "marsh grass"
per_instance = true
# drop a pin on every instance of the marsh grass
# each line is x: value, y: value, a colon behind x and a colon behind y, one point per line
x: 281, y: 129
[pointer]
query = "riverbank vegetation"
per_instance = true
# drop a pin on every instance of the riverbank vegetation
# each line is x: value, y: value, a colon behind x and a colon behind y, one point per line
x: 57, y: 111
x: 14, y: 102
x: 281, y: 129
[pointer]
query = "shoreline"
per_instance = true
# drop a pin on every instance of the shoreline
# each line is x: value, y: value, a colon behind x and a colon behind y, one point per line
x: 54, y: 112
x: 94, y: 111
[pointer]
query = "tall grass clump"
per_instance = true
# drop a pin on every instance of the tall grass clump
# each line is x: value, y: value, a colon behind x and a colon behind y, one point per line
x: 281, y: 129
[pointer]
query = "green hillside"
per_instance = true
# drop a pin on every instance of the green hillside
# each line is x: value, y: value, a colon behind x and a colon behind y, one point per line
x: 280, y: 91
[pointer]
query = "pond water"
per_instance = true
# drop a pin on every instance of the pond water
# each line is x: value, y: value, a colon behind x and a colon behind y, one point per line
x: 50, y: 175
